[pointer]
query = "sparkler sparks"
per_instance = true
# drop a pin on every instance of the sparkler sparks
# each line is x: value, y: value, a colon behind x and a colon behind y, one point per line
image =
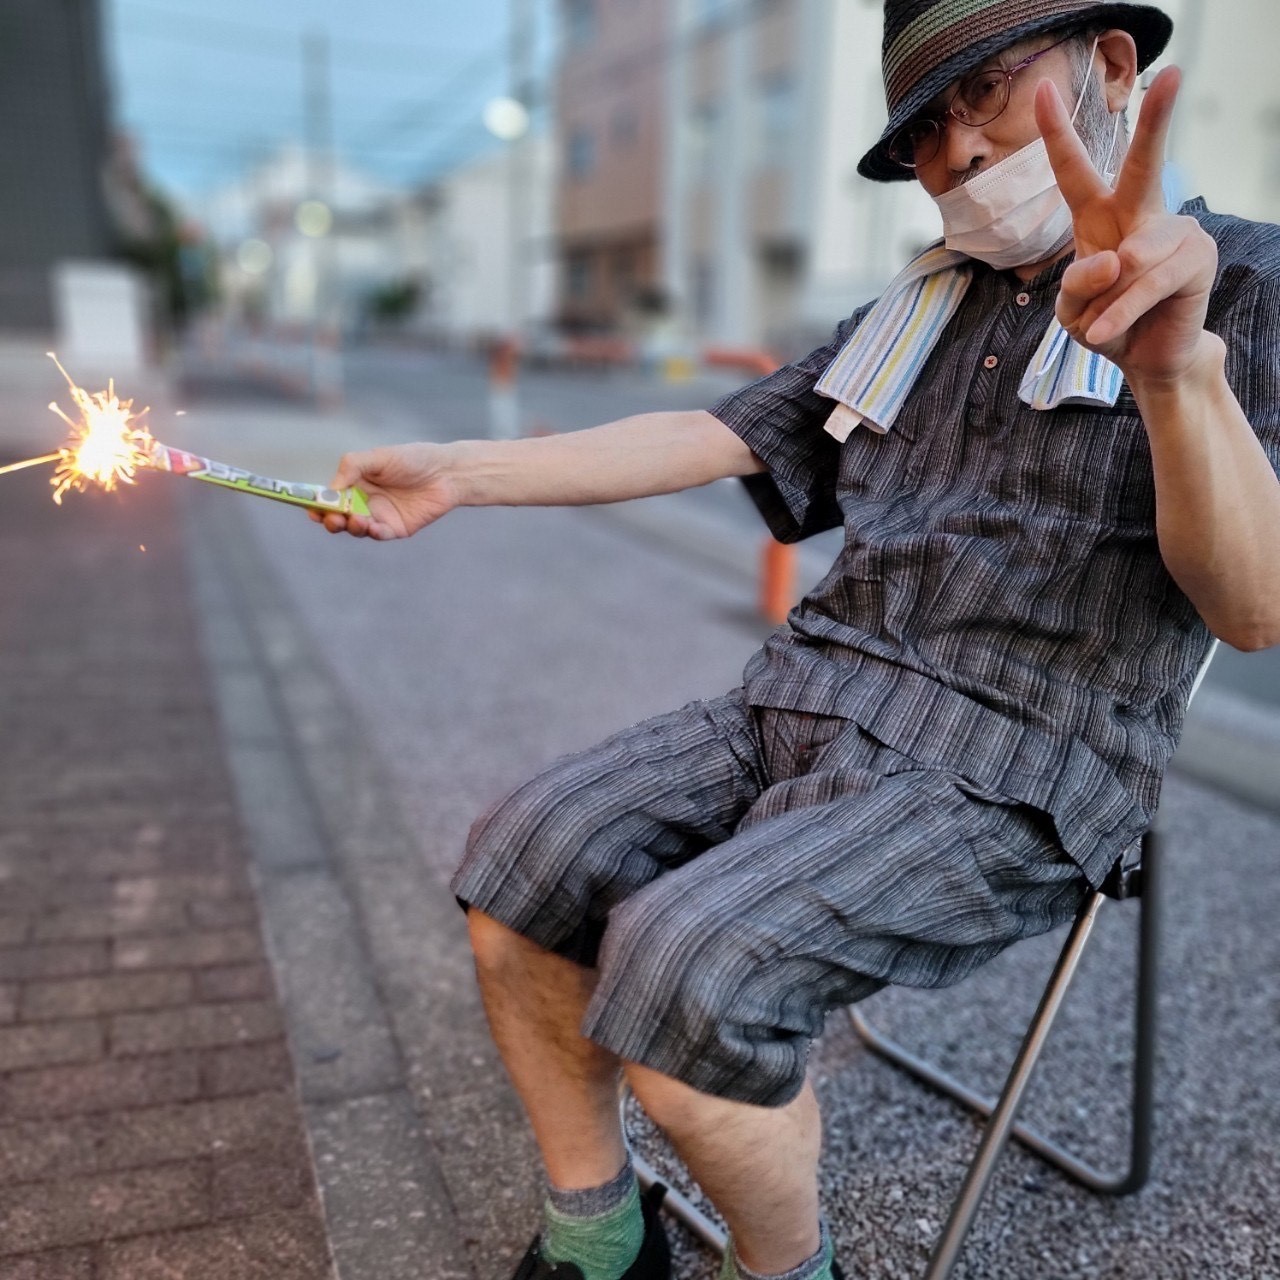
x: 109, y: 444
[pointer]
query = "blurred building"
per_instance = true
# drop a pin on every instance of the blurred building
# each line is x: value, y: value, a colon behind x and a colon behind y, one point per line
x: 54, y: 145
x: 611, y: 137
x: 482, y: 273
x: 1225, y: 136
x: 770, y: 234
x: 291, y: 259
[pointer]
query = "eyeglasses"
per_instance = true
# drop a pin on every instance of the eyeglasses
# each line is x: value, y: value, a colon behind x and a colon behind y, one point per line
x: 981, y: 97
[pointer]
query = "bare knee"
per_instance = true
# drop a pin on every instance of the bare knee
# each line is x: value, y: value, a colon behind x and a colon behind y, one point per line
x: 494, y: 945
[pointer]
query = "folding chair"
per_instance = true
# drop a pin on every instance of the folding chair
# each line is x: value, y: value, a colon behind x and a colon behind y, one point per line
x: 1141, y: 879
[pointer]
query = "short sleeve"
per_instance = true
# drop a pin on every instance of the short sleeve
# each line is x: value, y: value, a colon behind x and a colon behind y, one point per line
x: 780, y: 418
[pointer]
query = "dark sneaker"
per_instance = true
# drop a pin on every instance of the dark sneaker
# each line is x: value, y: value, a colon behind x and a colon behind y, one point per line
x: 653, y: 1262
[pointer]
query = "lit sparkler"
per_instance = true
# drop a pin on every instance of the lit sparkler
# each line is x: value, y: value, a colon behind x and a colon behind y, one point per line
x: 109, y: 444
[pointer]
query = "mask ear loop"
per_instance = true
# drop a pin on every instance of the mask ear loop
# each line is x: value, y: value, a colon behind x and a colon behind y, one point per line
x: 1088, y: 80
x: 1108, y: 176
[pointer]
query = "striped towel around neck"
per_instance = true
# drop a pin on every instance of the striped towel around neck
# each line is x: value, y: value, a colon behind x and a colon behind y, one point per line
x: 873, y: 375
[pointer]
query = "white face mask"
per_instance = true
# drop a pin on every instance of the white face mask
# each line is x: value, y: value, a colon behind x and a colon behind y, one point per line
x: 1013, y: 214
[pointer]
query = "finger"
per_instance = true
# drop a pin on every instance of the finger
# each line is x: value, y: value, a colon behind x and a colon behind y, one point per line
x: 334, y: 522
x: 1152, y: 288
x: 354, y: 467
x: 1140, y: 181
x: 1083, y: 283
x: 1078, y: 180
x: 1138, y: 254
x: 1143, y: 255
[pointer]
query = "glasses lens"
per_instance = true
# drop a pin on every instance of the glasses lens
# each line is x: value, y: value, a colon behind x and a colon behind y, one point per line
x: 915, y: 143
x: 981, y: 97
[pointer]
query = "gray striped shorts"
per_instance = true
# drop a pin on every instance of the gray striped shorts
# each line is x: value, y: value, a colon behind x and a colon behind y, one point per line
x: 735, y: 873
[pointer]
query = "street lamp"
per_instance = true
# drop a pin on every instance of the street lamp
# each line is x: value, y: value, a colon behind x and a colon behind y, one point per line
x: 507, y: 119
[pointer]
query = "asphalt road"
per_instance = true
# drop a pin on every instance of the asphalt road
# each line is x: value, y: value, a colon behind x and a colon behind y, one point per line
x: 450, y: 393
x: 464, y: 660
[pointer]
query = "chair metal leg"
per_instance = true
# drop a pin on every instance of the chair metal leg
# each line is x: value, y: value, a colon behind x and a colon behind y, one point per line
x: 1081, y: 1171
x: 1003, y: 1112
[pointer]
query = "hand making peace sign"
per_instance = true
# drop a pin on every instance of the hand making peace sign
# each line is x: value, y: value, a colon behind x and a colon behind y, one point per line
x: 1138, y: 290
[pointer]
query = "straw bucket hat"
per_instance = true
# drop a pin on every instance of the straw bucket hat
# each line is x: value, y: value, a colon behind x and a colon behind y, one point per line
x: 930, y: 43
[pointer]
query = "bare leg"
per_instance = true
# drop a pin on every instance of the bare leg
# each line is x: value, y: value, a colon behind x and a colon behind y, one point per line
x: 758, y: 1164
x: 535, y: 1001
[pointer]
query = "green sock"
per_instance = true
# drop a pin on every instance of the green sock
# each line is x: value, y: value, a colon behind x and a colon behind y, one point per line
x: 817, y: 1267
x: 600, y: 1230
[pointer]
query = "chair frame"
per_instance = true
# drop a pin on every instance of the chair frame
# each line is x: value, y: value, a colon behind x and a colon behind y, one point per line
x: 1143, y: 881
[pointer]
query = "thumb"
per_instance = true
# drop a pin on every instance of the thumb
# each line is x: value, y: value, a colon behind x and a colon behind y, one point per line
x: 354, y: 467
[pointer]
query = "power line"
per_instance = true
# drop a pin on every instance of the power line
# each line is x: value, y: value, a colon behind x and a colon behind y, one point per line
x: 408, y: 115
x: 199, y: 27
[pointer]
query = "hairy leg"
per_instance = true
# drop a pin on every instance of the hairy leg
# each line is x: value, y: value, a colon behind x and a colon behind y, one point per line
x: 535, y: 1000
x: 758, y: 1165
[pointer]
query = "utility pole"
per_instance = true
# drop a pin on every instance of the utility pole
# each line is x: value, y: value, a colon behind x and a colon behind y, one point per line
x: 519, y: 157
x: 318, y: 107
x: 504, y: 399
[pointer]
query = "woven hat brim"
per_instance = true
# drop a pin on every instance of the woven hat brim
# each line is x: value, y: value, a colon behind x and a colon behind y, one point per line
x: 1150, y: 28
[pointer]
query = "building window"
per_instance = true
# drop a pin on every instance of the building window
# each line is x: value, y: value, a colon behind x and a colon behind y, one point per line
x: 624, y: 273
x: 624, y: 128
x: 703, y: 281
x: 582, y: 153
x: 776, y: 118
x: 704, y: 141
x: 580, y: 21
x: 578, y: 284
x: 710, y: 13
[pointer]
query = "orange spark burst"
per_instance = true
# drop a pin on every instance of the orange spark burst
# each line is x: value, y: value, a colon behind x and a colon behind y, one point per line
x: 106, y: 446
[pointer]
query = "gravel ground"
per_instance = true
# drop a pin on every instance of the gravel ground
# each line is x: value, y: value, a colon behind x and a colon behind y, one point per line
x: 504, y: 638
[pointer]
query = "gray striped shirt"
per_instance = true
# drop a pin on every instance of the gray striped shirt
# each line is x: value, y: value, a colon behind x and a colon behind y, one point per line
x: 1000, y: 607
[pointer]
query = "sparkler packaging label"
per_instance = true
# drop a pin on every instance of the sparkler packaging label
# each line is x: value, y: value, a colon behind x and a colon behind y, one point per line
x: 317, y: 497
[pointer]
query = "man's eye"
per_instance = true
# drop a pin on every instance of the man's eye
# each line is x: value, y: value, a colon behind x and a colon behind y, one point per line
x: 983, y: 88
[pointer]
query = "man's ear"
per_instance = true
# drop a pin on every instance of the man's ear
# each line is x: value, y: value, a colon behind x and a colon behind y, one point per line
x: 1120, y: 67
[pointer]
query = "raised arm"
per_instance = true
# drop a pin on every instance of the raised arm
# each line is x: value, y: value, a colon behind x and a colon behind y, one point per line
x: 1138, y: 293
x: 412, y: 485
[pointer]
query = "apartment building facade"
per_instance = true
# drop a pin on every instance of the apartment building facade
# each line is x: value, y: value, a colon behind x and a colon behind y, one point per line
x: 770, y: 234
x: 610, y: 136
x: 759, y: 229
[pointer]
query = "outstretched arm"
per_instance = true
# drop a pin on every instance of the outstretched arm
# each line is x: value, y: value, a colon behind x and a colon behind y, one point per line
x: 1138, y: 293
x: 410, y: 486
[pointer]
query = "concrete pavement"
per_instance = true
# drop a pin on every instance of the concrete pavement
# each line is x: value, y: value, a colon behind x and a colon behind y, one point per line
x: 149, y: 1126
x: 374, y: 698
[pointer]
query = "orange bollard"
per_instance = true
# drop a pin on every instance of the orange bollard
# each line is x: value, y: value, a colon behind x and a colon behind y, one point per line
x: 777, y: 581
x: 504, y: 403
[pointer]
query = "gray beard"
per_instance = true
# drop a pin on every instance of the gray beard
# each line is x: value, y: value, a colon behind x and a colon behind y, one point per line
x: 1096, y: 127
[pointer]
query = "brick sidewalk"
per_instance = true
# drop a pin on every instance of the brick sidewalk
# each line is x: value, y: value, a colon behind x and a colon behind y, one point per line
x: 149, y: 1125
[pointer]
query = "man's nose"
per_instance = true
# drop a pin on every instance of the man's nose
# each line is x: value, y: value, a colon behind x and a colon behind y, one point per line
x: 965, y: 148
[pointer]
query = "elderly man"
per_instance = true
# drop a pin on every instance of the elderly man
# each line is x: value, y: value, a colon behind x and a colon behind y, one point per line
x: 1052, y: 446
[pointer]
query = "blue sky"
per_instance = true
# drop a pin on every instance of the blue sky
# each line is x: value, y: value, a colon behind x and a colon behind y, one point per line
x: 208, y: 85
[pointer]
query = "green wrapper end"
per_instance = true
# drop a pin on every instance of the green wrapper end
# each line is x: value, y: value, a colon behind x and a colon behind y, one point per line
x: 355, y: 502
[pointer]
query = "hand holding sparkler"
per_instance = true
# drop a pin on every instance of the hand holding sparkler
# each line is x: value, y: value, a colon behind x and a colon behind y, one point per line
x: 407, y: 486
x: 109, y: 444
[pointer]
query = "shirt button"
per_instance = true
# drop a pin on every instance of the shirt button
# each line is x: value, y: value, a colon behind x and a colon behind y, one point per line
x: 991, y: 361
x: 1023, y: 299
